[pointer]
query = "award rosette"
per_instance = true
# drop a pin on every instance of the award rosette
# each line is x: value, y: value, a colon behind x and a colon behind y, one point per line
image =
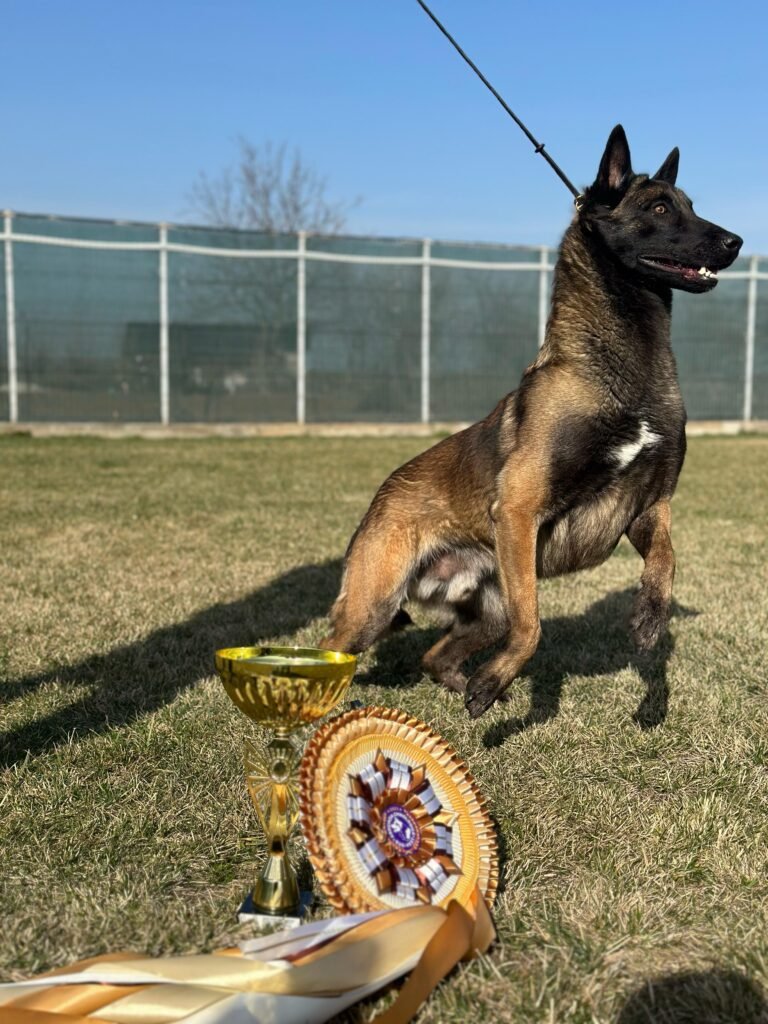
x: 402, y: 845
x: 392, y: 817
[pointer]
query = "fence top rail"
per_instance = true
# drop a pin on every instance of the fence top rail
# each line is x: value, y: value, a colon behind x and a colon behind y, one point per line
x: 270, y: 254
x: 52, y: 218
x: 317, y: 255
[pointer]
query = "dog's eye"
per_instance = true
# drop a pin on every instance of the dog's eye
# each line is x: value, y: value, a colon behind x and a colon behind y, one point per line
x: 659, y: 208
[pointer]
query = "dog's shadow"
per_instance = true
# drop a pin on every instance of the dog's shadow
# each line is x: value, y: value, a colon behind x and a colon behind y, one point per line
x: 595, y: 643
x: 715, y: 996
x: 131, y: 680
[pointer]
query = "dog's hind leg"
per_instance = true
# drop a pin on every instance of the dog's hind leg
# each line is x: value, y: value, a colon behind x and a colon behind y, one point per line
x: 376, y: 574
x: 650, y: 536
x: 478, y: 624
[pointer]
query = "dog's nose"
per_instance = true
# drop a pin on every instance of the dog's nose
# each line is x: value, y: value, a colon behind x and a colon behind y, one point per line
x: 732, y: 243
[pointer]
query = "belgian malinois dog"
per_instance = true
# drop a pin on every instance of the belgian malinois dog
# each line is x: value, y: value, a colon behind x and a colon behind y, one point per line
x: 588, y: 447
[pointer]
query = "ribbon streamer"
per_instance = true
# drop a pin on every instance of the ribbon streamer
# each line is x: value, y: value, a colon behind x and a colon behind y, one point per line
x: 308, y: 974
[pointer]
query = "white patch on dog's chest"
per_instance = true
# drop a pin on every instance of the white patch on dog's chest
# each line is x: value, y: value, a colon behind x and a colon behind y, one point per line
x: 628, y: 452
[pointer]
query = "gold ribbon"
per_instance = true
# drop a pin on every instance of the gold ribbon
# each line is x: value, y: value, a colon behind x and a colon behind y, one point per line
x: 66, y: 1004
x: 377, y: 949
x: 463, y: 934
x: 14, y: 1015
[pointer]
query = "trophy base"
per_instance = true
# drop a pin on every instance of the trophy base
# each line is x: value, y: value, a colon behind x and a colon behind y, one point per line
x: 250, y: 913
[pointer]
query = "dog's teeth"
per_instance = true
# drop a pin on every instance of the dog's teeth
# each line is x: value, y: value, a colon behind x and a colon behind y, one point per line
x: 704, y: 272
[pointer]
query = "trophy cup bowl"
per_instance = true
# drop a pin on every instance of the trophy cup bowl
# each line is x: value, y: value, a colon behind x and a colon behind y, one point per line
x: 283, y: 689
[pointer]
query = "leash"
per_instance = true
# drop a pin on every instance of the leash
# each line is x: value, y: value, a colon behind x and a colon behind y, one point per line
x: 538, y: 146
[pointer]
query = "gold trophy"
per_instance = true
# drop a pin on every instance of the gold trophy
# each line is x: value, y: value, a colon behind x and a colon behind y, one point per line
x: 282, y: 688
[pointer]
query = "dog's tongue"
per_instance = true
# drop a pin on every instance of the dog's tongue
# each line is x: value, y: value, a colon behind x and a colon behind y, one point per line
x: 689, y: 273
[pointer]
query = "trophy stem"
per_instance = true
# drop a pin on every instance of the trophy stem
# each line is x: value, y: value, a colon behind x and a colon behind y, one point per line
x: 276, y: 890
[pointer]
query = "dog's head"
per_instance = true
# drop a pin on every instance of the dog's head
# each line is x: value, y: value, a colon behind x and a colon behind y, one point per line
x: 649, y: 225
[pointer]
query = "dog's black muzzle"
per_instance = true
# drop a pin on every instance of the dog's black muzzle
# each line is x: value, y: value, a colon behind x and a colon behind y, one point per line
x: 693, y: 266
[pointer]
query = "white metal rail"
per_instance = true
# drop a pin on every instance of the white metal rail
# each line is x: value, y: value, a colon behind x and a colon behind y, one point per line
x: 163, y: 246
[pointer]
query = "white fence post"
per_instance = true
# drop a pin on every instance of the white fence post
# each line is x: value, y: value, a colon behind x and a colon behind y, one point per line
x: 165, y: 387
x: 10, y: 321
x: 749, y: 354
x: 301, y: 329
x: 426, y: 324
x: 544, y: 270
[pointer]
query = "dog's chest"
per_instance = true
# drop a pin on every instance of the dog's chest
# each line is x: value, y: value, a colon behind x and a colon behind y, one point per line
x: 592, y: 454
x: 608, y: 476
x: 622, y: 453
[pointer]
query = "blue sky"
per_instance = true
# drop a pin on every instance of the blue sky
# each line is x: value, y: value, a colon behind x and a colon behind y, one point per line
x: 111, y: 109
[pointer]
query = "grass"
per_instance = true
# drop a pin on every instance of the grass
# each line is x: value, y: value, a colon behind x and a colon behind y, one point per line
x: 631, y: 795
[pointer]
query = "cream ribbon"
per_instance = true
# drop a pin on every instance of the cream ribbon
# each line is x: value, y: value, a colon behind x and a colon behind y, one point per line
x: 309, y: 974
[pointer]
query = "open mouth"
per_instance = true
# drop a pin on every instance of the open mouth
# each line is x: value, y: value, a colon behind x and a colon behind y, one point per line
x: 689, y: 273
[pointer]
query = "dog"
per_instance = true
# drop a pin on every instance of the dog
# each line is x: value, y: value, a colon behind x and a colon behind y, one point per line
x: 589, y: 447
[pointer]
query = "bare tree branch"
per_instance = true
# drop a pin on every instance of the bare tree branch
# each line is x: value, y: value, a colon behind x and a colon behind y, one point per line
x: 268, y: 190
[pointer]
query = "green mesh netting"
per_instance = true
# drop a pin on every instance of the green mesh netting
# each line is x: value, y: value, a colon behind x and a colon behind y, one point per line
x: 77, y: 314
x: 88, y: 329
x: 232, y: 334
x: 363, y: 334
x: 484, y: 329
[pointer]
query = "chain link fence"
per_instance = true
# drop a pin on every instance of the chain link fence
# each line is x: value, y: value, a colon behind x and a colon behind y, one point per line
x: 105, y: 322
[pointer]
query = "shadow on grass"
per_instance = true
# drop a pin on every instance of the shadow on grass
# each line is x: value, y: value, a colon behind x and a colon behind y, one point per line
x: 697, y: 997
x: 594, y: 643
x: 134, y: 679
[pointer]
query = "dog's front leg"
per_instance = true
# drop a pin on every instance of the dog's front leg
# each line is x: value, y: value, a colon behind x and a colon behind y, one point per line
x: 650, y: 535
x: 516, y: 533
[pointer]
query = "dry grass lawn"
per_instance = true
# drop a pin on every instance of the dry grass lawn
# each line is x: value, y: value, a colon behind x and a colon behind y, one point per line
x: 631, y: 795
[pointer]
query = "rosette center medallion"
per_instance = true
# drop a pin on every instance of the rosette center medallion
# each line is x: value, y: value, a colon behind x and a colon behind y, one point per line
x: 402, y: 833
x: 401, y: 829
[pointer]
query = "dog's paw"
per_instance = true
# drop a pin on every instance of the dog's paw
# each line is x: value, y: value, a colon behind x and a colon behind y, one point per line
x: 451, y: 678
x: 456, y: 682
x: 649, y: 620
x: 483, y: 690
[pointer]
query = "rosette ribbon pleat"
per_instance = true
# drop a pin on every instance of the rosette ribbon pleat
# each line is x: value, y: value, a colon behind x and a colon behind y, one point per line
x: 302, y: 976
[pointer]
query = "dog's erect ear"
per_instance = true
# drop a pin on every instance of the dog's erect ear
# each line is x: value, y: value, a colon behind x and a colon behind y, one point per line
x: 616, y: 164
x: 668, y: 170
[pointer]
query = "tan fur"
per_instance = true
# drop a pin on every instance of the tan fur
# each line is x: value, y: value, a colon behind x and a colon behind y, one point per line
x: 589, y: 447
x: 487, y: 490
